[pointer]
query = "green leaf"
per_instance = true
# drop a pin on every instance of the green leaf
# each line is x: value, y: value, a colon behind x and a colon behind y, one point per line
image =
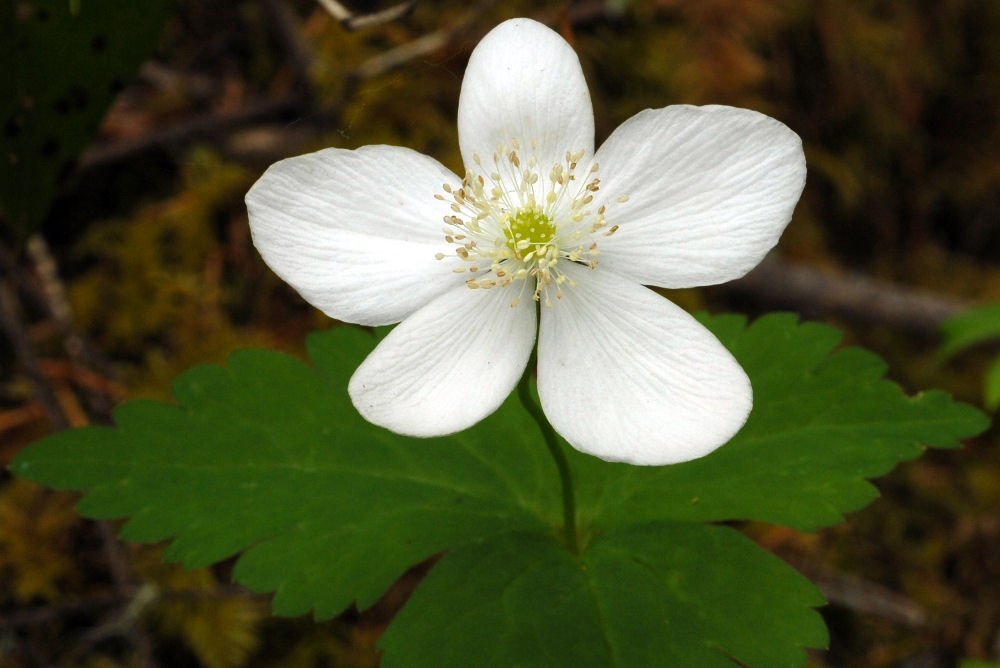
x: 969, y: 328
x: 659, y: 594
x: 821, y: 425
x: 61, y: 70
x: 991, y: 386
x: 268, y: 457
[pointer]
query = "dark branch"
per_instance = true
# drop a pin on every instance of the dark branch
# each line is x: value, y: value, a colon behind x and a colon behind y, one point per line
x: 351, y: 21
x: 777, y: 284
x: 10, y: 323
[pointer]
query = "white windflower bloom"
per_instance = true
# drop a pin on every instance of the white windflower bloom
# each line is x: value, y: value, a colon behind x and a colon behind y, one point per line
x: 676, y: 197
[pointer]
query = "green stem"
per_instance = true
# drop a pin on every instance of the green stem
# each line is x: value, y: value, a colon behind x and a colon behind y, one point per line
x: 551, y: 440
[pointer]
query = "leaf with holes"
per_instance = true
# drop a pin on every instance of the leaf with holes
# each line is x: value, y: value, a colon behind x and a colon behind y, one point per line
x: 63, y: 62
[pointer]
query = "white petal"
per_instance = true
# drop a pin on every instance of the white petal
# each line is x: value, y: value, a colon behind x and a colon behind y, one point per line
x: 448, y: 365
x: 626, y: 375
x: 355, y: 232
x: 524, y: 82
x: 710, y: 191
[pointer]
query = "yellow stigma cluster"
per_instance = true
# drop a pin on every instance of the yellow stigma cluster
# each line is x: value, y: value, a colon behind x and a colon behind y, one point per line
x: 511, y: 224
x: 528, y: 228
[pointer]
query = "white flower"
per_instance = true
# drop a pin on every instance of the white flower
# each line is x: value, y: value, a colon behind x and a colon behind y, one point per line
x: 676, y: 197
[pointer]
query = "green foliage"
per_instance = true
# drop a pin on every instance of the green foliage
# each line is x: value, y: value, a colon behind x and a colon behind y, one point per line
x: 821, y: 424
x: 968, y: 329
x: 991, y: 385
x: 268, y: 457
x: 62, y: 69
x: 654, y: 594
x: 328, y: 489
x: 896, y: 101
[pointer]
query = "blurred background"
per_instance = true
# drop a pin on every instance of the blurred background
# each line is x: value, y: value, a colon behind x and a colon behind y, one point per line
x: 130, y: 135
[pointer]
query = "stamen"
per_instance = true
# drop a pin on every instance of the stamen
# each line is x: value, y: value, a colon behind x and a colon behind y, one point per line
x: 516, y: 220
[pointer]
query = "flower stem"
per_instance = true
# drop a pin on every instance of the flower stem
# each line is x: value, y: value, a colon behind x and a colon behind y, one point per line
x: 551, y: 440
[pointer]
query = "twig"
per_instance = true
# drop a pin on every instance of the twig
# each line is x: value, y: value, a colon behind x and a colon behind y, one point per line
x: 89, y: 605
x: 420, y: 46
x: 52, y: 287
x: 400, y: 55
x: 129, y: 621
x: 65, y: 608
x: 860, y: 595
x: 10, y: 268
x: 131, y: 603
x: 52, y: 297
x: 395, y: 57
x: 49, y: 295
x: 219, y: 126
x: 208, y: 125
x: 70, y: 371
x: 351, y: 21
x: 10, y: 323
x: 16, y: 417
x: 851, y: 295
x: 115, y: 557
x: 216, y: 125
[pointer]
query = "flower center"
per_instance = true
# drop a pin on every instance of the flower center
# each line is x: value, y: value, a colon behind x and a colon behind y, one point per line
x: 515, y: 223
x: 529, y: 228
